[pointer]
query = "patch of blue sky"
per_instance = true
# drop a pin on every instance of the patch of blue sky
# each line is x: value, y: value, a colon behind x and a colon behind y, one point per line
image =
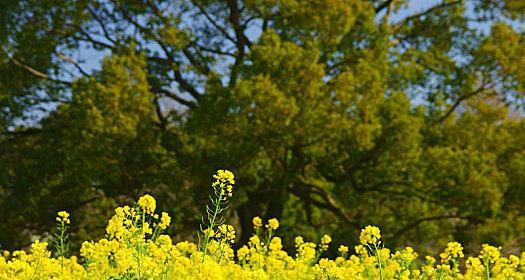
x: 89, y: 59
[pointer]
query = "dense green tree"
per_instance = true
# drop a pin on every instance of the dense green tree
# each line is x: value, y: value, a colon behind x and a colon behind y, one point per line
x: 333, y: 115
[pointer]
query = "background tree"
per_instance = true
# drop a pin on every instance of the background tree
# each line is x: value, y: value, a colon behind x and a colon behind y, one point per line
x: 333, y: 114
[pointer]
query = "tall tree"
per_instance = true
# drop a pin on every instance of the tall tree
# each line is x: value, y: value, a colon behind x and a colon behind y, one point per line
x: 333, y: 114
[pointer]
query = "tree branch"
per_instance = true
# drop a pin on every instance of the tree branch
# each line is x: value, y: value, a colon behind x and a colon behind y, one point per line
x: 408, y: 191
x: 214, y: 23
x: 214, y: 51
x: 329, y: 203
x: 461, y: 99
x: 383, y: 6
x: 185, y: 85
x: 426, y: 12
x: 241, y: 42
x: 14, y: 135
x: 417, y: 222
x: 93, y: 41
x: 162, y: 119
x: 69, y: 59
x: 173, y: 96
x: 37, y: 73
x: 202, y: 67
x: 102, y: 26
x: 27, y: 131
x: 156, y: 10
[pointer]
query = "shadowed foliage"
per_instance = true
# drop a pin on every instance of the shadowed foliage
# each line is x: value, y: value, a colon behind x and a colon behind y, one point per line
x: 336, y: 114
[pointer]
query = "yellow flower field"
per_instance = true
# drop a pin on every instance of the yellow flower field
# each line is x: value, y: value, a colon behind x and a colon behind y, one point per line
x: 136, y: 248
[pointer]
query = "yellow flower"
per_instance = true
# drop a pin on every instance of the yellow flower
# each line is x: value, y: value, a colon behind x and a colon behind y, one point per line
x: 325, y: 240
x: 453, y: 251
x: 430, y: 260
x: 227, y: 233
x: 146, y: 228
x: 343, y: 249
x: 225, y: 176
x: 257, y: 222
x: 130, y: 249
x: 298, y: 241
x: 224, y: 181
x: 275, y: 244
x: 209, y: 232
x: 255, y: 242
x: 243, y: 252
x: 306, y: 251
x: 273, y: 224
x: 361, y: 250
x: 514, y: 261
x: 369, y: 235
x: 63, y: 216
x: 474, y: 265
x: 406, y: 256
x: 165, y: 220
x: 147, y: 203
x: 490, y: 253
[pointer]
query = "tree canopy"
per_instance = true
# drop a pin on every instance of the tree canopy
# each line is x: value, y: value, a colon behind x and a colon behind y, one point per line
x: 333, y: 115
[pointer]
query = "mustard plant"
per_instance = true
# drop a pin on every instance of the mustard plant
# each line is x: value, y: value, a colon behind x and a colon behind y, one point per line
x: 371, y: 237
x: 215, y: 208
x: 61, y: 238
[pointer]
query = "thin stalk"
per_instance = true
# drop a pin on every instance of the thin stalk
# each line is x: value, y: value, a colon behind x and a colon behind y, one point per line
x: 140, y: 245
x: 212, y: 223
x: 379, y: 262
x: 487, y: 270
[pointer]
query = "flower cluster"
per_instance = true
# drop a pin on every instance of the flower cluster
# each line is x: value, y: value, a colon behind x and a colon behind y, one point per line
x: 257, y: 222
x: 325, y: 241
x: 63, y: 217
x: 165, y: 220
x: 369, y: 235
x: 490, y: 253
x: 226, y: 233
x: 61, y: 238
x: 132, y: 250
x: 210, y: 242
x: 453, y: 251
x: 224, y: 181
x: 147, y: 203
x: 273, y: 224
x: 136, y: 248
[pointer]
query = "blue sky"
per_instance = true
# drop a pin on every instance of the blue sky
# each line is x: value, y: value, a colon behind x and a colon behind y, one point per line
x: 92, y: 57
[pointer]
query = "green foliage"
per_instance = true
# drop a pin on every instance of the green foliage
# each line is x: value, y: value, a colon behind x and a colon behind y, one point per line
x: 337, y: 114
